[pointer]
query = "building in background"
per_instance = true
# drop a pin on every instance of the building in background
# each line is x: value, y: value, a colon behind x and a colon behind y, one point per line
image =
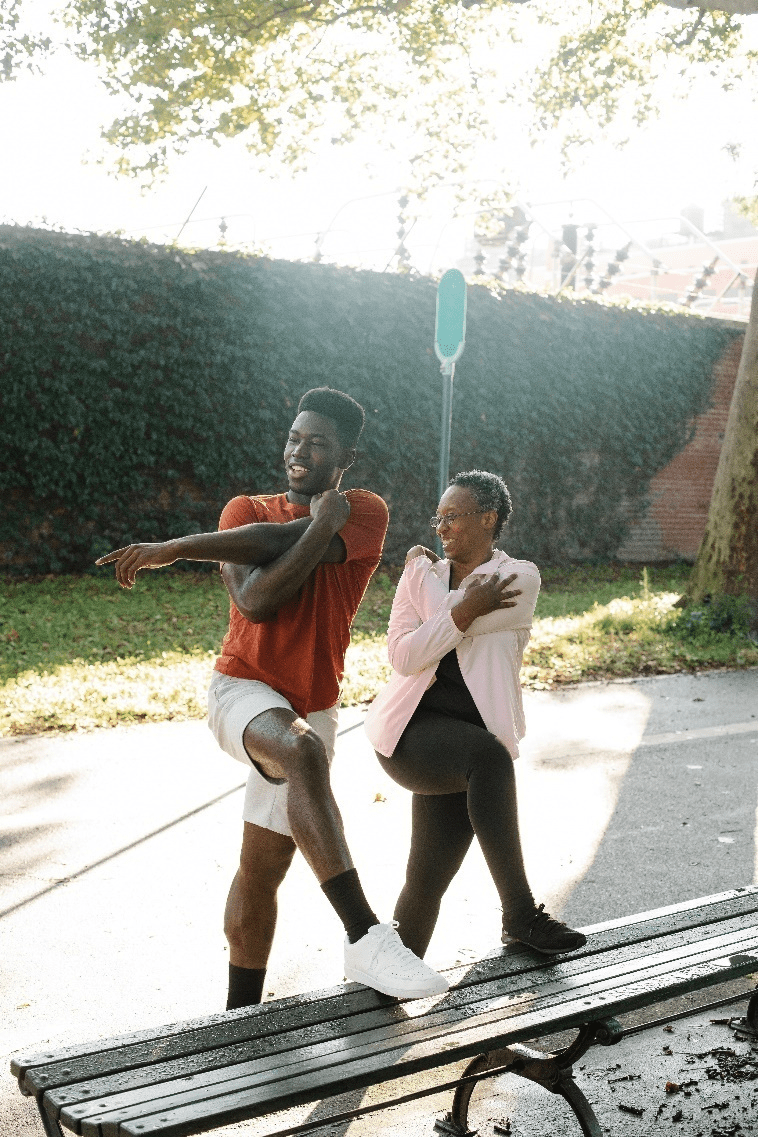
x: 580, y: 246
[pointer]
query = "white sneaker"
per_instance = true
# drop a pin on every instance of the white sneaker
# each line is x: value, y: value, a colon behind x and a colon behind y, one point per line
x: 381, y: 960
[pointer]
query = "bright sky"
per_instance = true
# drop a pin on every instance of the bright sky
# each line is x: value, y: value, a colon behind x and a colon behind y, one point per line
x: 50, y: 124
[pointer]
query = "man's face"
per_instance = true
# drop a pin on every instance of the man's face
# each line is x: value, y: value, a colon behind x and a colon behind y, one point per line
x: 314, y: 457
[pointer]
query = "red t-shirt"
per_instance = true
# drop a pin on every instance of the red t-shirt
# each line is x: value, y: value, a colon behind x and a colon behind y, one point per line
x: 301, y: 653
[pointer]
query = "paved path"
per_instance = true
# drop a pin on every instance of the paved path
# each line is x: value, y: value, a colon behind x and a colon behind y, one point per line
x: 118, y: 847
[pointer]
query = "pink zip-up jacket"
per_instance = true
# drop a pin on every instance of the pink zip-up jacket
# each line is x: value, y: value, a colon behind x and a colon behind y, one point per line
x: 421, y: 631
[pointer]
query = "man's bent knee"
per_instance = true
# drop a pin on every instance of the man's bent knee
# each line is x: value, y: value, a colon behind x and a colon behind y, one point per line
x: 303, y: 757
x: 282, y: 745
x: 307, y: 760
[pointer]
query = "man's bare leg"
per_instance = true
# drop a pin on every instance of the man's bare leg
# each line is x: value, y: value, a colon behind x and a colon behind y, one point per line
x: 251, y: 908
x: 250, y: 914
x: 283, y: 745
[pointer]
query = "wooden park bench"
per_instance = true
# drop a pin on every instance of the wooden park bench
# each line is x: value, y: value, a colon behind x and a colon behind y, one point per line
x: 194, y: 1076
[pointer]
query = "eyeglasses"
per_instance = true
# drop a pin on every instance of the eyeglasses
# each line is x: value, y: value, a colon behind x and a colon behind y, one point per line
x: 436, y: 521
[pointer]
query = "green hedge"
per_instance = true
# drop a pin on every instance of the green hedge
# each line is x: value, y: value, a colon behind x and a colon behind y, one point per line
x: 142, y: 386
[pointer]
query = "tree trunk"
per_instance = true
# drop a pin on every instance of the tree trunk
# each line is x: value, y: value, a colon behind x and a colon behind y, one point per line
x: 727, y: 562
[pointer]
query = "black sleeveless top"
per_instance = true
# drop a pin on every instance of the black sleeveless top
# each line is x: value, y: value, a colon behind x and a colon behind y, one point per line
x: 449, y: 695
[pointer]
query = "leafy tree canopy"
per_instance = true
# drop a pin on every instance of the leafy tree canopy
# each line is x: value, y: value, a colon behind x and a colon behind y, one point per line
x: 289, y: 75
x: 17, y: 48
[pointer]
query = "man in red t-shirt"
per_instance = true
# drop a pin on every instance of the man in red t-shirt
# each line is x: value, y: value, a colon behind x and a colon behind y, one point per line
x: 296, y: 566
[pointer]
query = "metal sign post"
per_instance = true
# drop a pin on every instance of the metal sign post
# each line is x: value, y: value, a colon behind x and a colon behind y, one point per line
x: 449, y: 341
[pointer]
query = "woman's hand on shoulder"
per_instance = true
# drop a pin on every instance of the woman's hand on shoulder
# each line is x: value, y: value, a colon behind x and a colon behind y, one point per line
x: 490, y: 593
x: 420, y: 551
x: 484, y: 594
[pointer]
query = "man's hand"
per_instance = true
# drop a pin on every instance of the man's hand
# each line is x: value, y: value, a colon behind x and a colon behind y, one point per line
x: 132, y: 558
x: 331, y: 507
x: 420, y: 551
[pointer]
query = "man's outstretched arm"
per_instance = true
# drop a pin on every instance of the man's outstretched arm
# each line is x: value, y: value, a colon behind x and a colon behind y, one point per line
x: 251, y: 545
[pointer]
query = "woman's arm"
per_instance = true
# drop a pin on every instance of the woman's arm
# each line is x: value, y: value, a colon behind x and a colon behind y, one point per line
x: 489, y: 604
x: 413, y: 643
x: 482, y: 595
x: 517, y: 615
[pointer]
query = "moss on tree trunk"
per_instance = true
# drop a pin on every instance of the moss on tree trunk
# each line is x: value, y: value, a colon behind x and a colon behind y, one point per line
x: 727, y: 562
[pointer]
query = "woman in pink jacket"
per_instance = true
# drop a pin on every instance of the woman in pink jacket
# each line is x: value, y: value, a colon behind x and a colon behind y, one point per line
x: 448, y: 725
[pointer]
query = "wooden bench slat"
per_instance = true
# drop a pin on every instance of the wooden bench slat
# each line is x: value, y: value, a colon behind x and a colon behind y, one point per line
x: 465, y: 1001
x: 127, y: 1051
x: 366, y: 1069
x: 602, y: 988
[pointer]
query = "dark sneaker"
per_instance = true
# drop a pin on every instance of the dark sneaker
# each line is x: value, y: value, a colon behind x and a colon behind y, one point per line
x: 546, y: 935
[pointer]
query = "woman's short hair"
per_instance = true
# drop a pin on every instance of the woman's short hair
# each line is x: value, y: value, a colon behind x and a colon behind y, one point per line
x: 490, y: 492
x: 345, y: 412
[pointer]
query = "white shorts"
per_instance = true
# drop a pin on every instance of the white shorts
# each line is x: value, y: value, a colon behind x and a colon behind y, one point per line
x: 232, y: 704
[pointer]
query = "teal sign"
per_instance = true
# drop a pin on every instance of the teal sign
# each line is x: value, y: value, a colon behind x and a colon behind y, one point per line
x: 450, y: 325
x: 449, y: 341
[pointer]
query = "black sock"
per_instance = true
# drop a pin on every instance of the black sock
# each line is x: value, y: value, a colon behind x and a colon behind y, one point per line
x: 245, y: 986
x: 345, y: 894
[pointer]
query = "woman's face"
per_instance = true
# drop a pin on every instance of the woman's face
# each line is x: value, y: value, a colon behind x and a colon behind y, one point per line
x: 465, y: 530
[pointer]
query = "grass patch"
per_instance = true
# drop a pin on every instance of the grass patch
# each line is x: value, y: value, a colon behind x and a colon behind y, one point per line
x: 79, y: 652
x: 615, y: 621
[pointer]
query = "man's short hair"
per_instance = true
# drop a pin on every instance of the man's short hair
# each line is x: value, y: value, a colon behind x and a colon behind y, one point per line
x: 489, y: 491
x: 347, y: 415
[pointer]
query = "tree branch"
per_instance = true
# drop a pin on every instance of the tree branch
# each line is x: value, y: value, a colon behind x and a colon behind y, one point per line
x: 691, y: 35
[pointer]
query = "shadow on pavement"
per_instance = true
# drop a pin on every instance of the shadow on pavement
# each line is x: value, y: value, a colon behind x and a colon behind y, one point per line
x: 119, y: 852
x: 691, y: 804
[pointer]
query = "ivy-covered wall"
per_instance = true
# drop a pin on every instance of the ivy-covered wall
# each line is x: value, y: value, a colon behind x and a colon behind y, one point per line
x: 142, y: 386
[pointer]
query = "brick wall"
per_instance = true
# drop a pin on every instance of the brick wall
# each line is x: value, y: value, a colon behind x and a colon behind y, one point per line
x: 680, y: 494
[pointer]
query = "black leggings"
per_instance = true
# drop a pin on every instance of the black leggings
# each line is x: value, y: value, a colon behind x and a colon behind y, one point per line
x: 463, y: 785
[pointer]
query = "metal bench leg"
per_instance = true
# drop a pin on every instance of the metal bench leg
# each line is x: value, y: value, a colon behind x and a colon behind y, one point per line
x: 752, y: 1012
x: 50, y: 1124
x: 747, y: 1029
x: 552, y: 1071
